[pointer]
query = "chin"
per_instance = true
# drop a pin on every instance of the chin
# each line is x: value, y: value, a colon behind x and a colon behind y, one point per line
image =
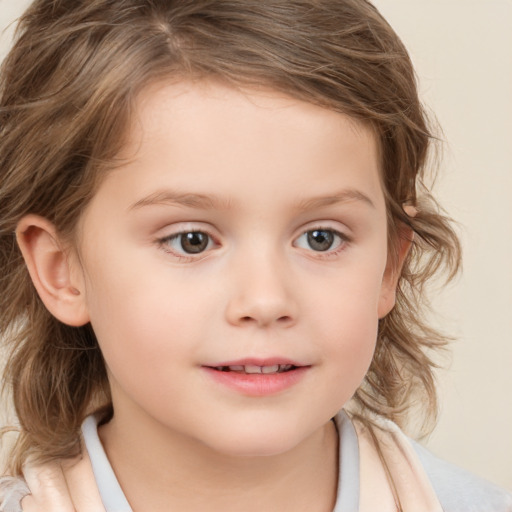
x: 258, y: 441
x: 260, y: 448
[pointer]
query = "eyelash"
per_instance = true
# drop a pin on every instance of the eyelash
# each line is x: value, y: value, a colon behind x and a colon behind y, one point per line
x: 185, y: 257
x: 164, y: 243
x: 344, y: 240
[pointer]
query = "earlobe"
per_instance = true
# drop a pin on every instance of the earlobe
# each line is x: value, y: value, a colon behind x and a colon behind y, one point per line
x: 393, y: 271
x: 55, y: 276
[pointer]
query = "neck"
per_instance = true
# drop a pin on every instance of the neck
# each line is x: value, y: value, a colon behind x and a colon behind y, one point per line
x: 162, y: 472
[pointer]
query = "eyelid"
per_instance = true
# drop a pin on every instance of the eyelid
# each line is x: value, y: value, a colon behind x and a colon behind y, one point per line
x: 326, y: 225
x: 162, y: 242
x: 345, y: 240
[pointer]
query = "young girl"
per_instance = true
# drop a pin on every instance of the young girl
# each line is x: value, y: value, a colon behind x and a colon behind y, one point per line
x: 214, y: 237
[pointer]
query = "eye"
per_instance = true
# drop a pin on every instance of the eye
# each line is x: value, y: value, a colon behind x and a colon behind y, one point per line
x: 189, y: 242
x: 320, y: 240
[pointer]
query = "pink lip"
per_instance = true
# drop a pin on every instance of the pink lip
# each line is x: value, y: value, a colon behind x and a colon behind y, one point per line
x: 257, y: 384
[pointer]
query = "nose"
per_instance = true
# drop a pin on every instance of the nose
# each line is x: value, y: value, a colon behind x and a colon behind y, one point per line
x: 262, y: 293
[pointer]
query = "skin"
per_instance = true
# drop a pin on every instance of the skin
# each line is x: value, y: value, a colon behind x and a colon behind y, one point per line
x: 273, y: 169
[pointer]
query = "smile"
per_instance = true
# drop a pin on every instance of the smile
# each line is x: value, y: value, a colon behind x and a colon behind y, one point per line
x: 254, y: 369
x: 257, y: 378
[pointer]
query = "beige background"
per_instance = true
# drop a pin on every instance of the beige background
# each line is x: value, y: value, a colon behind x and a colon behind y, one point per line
x: 463, y: 53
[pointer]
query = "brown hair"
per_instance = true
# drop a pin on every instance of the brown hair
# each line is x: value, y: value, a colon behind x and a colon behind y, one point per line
x: 67, y: 90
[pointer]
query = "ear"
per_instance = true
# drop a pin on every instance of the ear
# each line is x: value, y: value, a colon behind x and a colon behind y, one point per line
x: 55, y: 271
x: 393, y: 271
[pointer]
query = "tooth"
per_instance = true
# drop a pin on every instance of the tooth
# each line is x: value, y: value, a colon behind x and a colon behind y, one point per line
x: 252, y: 369
x: 270, y: 369
x: 236, y: 368
x: 286, y: 367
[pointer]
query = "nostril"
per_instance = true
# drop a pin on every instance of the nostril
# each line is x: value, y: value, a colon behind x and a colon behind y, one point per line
x: 281, y: 320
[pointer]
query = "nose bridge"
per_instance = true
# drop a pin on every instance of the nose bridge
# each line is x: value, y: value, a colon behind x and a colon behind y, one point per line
x: 262, y: 292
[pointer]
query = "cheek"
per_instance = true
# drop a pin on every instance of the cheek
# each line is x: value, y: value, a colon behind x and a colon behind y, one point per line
x: 146, y: 318
x: 128, y: 308
x: 352, y: 348
x: 346, y: 318
x: 143, y: 339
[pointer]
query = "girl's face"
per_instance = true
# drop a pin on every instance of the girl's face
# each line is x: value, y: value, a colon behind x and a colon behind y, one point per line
x: 245, y: 233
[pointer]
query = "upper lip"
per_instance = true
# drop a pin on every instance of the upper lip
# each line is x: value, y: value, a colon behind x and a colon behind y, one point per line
x: 255, y: 361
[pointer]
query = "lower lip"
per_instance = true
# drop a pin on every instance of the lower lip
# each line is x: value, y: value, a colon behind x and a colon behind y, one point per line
x: 258, y: 384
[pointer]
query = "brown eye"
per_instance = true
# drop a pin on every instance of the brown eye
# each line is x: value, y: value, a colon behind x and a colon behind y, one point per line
x: 320, y: 239
x: 193, y: 242
x: 187, y: 243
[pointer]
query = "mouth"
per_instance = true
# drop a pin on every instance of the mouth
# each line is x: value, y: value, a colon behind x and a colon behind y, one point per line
x: 257, y: 377
x: 251, y: 369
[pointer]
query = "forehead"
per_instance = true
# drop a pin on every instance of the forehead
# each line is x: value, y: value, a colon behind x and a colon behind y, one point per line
x: 193, y: 103
x: 208, y: 138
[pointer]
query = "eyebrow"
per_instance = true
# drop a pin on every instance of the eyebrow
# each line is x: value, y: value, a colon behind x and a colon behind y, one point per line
x: 169, y: 197
x: 340, y: 197
x: 207, y: 202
